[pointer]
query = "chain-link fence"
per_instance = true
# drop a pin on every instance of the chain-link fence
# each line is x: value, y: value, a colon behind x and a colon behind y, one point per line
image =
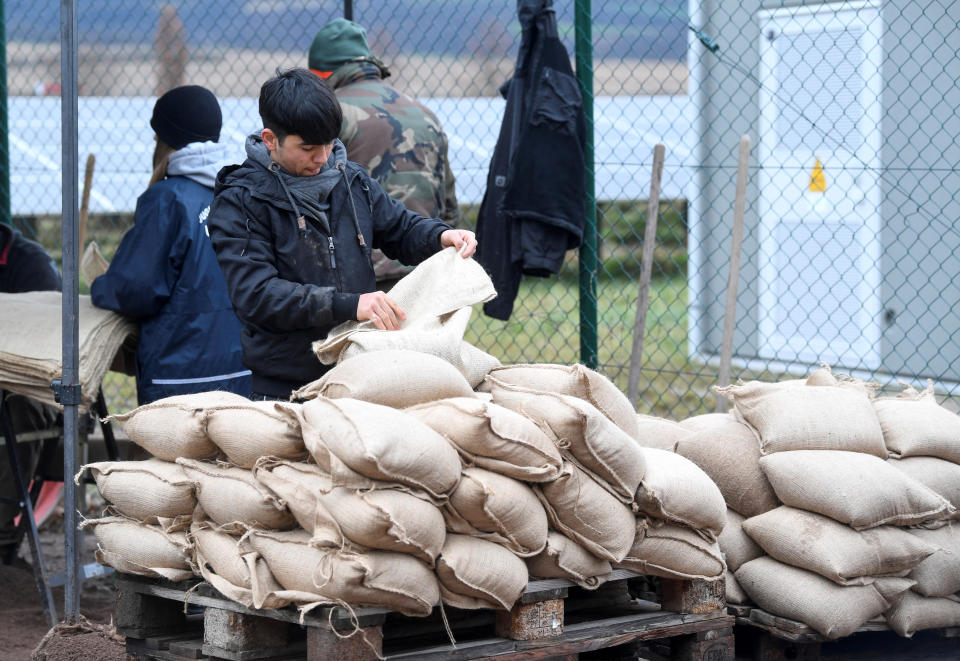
x: 850, y: 251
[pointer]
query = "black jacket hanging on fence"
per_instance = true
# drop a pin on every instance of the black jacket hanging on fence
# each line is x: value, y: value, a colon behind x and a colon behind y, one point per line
x: 533, y: 208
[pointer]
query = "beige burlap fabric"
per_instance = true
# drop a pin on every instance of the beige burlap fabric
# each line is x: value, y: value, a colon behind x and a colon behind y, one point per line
x: 788, y: 417
x: 475, y: 573
x: 939, y: 574
x: 499, y: 509
x: 665, y: 549
x: 728, y: 452
x: 144, y: 489
x: 660, y: 433
x: 832, y: 610
x: 914, y: 424
x: 734, y: 594
x: 736, y: 545
x: 912, y: 613
x: 834, y: 550
x: 676, y: 489
x: 246, y: 431
x: 132, y: 547
x: 580, y: 508
x: 936, y: 474
x: 564, y: 558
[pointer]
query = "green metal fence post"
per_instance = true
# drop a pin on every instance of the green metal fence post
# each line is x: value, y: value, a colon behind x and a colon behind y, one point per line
x: 4, y: 142
x: 583, y: 26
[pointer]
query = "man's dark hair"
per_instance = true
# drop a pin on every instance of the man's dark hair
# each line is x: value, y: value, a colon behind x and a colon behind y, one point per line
x: 296, y: 102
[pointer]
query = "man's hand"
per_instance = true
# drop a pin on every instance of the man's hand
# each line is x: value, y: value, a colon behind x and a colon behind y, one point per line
x: 464, y: 241
x: 381, y: 310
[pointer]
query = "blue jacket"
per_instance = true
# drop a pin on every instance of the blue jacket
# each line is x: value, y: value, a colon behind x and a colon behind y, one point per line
x: 166, y: 276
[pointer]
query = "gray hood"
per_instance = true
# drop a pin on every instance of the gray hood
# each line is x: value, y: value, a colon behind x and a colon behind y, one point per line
x: 200, y: 161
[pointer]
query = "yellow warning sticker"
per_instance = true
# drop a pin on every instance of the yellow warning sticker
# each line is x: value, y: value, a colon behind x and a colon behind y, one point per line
x: 818, y: 182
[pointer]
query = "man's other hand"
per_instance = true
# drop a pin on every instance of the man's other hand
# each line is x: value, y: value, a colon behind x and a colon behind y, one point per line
x: 381, y: 310
x: 464, y: 241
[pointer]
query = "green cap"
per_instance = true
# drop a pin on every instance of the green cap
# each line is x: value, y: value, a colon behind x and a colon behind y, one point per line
x: 337, y: 42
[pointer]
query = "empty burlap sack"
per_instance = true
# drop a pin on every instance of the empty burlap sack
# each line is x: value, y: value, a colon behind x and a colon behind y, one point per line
x: 564, y: 558
x: 586, y: 512
x: 832, y: 610
x: 175, y: 426
x: 132, y: 547
x: 379, y: 443
x: 809, y: 418
x: 728, y: 452
x: 233, y: 568
x: 144, y: 490
x: 851, y: 487
x: 914, y: 424
x: 310, y: 575
x: 912, y: 613
x: 666, y: 549
x: 654, y: 432
x: 574, y: 380
x: 499, y: 509
x: 582, y: 432
x: 396, y: 377
x: 936, y: 474
x: 475, y: 573
x: 674, y: 488
x: 387, y: 519
x: 231, y: 495
x: 493, y: 437
x: 250, y: 430
x: 735, y: 543
x: 734, y: 593
x: 938, y: 575
x: 834, y: 550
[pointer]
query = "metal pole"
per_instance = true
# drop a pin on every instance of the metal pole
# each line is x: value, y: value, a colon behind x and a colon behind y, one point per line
x: 348, y: 9
x: 583, y: 27
x: 70, y: 387
x: 5, y: 215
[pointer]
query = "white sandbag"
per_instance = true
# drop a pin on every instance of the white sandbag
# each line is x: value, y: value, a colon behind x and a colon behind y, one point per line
x: 834, y: 550
x: 654, y: 432
x: 475, y: 573
x: 938, y: 575
x: 727, y: 451
x: 666, y: 549
x: 737, y: 546
x: 132, y: 547
x: 564, y: 558
x: 734, y: 594
x: 493, y: 437
x: 851, y: 487
x: 938, y: 475
x: 914, y: 424
x: 912, y: 613
x: 499, y: 509
x: 144, y: 490
x: 674, y: 488
x: 250, y: 430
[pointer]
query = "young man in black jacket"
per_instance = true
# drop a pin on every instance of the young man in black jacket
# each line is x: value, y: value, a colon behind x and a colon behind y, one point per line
x: 293, y: 228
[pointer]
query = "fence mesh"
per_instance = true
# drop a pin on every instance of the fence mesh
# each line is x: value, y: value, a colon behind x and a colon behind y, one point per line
x: 850, y: 254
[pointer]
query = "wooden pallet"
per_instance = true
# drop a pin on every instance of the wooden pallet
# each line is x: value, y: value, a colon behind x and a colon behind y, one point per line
x: 553, y: 619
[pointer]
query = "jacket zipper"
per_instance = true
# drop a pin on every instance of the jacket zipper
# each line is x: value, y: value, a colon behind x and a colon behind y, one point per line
x: 331, y: 249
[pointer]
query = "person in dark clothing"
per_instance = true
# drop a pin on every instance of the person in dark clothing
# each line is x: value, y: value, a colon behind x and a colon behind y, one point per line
x: 293, y: 228
x: 165, y: 274
x: 24, y: 266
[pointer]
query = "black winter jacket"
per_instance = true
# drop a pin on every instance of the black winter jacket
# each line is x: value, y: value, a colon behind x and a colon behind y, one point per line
x: 289, y: 281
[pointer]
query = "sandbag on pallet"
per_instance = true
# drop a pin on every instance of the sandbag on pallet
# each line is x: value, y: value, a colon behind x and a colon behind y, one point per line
x: 144, y: 490
x: 132, y: 547
x: 475, y: 573
x: 733, y: 593
x: 666, y: 549
x: 912, y: 613
x: 660, y: 433
x: 735, y: 544
x: 249, y: 430
x: 938, y: 475
x: 564, y: 558
x: 939, y: 574
x: 914, y: 424
x: 676, y: 489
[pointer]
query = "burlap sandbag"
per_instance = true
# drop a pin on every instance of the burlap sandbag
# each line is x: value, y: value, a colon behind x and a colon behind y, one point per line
x: 144, y: 490
x: 737, y: 546
x: 395, y: 377
x: 834, y: 550
x: 232, y: 568
x: 493, y: 437
x: 665, y: 549
x: 851, y: 487
x: 580, y: 508
x: 728, y: 452
x: 734, y: 593
x: 936, y: 474
x: 654, y: 432
x: 175, y: 426
x: 310, y: 575
x: 584, y: 434
x: 231, y: 495
x: 914, y: 424
x: 380, y: 518
x: 245, y: 432
x: 832, y: 610
x: 912, y: 613
x: 132, y: 547
x: 380, y: 443
x: 475, y: 573
x: 499, y: 509
x: 564, y: 558
x: 822, y: 377
x: 808, y: 417
x: 674, y: 488
x: 938, y: 575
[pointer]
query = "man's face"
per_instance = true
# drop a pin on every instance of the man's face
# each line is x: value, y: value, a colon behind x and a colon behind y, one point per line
x: 294, y: 155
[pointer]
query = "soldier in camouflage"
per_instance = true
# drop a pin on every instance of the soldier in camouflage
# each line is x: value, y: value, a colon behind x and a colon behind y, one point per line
x: 397, y: 139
